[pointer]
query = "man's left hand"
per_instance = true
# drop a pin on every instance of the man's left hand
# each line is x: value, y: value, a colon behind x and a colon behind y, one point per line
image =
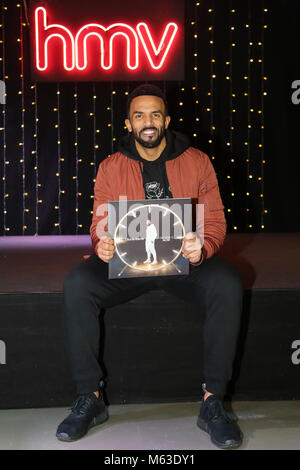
x: 191, y: 247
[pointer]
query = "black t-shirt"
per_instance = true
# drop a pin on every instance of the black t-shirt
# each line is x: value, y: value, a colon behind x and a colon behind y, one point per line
x: 155, y: 180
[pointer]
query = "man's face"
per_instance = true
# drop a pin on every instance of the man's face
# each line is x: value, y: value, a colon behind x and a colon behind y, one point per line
x: 147, y: 120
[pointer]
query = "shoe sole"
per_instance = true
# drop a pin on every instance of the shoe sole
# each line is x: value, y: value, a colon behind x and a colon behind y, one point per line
x: 203, y: 425
x: 100, y: 419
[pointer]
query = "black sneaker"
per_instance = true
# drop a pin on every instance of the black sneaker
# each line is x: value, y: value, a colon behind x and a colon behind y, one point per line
x: 87, y: 411
x: 213, y: 419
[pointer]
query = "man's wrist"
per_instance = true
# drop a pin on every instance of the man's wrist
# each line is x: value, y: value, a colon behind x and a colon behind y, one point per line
x: 199, y: 260
x: 96, y: 247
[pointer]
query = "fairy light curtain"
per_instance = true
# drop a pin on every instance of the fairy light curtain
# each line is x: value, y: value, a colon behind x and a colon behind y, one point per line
x: 54, y: 135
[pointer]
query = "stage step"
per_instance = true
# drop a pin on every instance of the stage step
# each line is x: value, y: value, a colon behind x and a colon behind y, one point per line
x: 152, y: 345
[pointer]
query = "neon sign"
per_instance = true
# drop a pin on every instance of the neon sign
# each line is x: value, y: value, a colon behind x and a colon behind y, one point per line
x: 96, y: 51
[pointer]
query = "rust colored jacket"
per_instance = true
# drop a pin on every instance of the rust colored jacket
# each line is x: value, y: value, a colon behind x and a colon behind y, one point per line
x: 191, y: 174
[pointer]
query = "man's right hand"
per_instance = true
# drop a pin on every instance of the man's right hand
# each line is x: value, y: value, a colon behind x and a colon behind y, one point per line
x: 105, y: 249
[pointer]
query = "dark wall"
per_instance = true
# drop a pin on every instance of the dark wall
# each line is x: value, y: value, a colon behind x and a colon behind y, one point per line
x: 54, y: 182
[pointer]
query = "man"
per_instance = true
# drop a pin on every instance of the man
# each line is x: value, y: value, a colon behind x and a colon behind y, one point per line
x: 152, y: 156
x: 151, y: 234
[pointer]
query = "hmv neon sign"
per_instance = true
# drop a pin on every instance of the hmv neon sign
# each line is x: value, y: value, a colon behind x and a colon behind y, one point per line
x: 101, y: 50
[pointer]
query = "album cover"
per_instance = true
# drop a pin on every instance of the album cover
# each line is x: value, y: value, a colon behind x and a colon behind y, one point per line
x: 148, y: 237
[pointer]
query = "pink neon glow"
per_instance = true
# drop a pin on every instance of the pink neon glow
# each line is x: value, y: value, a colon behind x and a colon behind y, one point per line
x: 164, y: 45
x: 75, y: 50
x: 60, y: 32
x: 99, y: 31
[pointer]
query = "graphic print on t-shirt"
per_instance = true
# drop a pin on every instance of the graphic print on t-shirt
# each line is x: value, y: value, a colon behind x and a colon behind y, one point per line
x: 154, y: 190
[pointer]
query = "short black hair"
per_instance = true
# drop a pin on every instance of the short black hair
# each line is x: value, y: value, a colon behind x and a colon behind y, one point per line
x: 147, y: 89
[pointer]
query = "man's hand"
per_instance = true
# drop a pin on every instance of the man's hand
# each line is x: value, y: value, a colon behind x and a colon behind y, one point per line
x: 105, y: 249
x: 191, y: 247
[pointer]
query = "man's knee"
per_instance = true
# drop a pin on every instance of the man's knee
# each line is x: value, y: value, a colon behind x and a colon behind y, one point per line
x: 227, y: 279
x: 75, y: 281
x: 233, y: 279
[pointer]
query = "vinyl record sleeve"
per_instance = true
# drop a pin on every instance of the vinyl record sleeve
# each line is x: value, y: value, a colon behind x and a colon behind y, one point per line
x: 148, y: 237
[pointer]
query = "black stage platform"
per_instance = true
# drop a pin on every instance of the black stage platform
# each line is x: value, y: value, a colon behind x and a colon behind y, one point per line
x: 151, y: 349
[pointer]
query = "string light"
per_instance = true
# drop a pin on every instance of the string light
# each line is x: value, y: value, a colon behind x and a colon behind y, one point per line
x: 196, y: 73
x: 95, y: 146
x: 181, y: 91
x: 112, y: 94
x: 197, y: 100
x: 76, y: 155
x: 262, y: 125
x: 59, y: 159
x: 249, y: 97
x: 36, y: 167
x: 22, y: 143
x: 213, y: 64
x: 229, y: 78
x: 3, y: 127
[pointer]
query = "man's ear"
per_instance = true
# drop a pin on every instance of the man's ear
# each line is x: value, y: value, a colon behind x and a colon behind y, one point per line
x: 128, y: 125
x: 167, y: 121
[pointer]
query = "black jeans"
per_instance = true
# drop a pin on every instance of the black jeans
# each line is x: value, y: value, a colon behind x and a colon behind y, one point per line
x: 215, y: 283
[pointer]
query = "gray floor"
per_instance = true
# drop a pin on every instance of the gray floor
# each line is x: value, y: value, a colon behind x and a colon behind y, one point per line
x: 265, y: 425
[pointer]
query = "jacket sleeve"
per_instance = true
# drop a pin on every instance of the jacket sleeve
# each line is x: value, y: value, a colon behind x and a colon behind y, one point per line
x: 102, y: 194
x: 210, y: 218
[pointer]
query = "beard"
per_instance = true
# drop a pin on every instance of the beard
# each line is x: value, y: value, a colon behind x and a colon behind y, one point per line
x: 149, y: 144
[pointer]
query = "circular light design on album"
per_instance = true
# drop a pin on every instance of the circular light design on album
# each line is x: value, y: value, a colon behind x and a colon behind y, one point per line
x: 132, y: 212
